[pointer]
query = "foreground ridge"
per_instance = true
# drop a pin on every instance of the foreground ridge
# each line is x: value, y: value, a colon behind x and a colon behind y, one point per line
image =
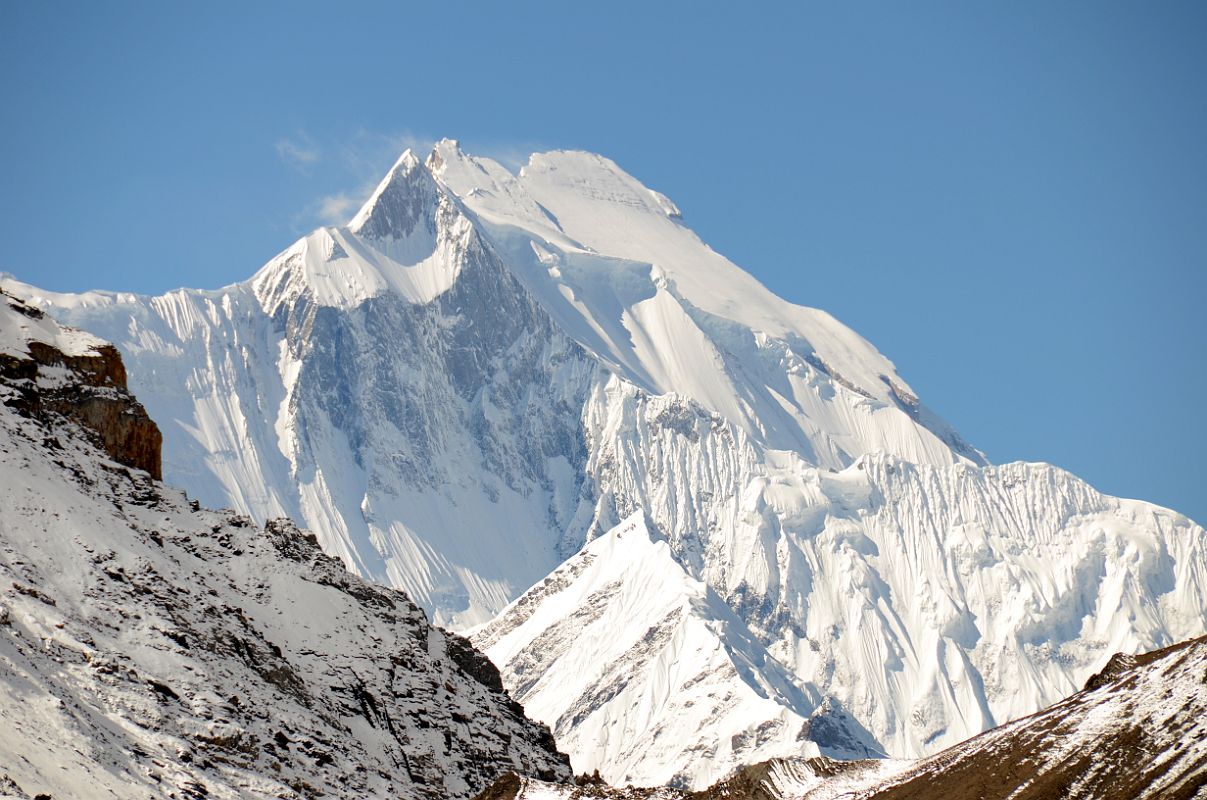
x: 150, y: 647
x: 1138, y: 731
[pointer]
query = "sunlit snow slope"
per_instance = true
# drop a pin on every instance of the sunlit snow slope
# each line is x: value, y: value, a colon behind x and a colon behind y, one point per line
x: 151, y: 648
x: 484, y: 371
x: 425, y: 386
x: 926, y: 602
x: 1137, y: 732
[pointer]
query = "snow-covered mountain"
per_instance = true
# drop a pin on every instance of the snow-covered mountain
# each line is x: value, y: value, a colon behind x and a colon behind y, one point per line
x: 435, y: 388
x: 636, y: 666
x: 928, y: 603
x: 152, y: 648
x: 1137, y: 732
x: 484, y: 372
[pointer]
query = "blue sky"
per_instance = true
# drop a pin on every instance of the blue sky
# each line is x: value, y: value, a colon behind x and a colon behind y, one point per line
x: 1009, y: 200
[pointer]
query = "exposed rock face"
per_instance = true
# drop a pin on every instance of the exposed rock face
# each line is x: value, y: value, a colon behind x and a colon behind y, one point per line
x: 94, y: 396
x: 153, y: 648
x: 1118, y: 665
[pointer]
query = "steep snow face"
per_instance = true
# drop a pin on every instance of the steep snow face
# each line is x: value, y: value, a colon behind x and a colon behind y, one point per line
x: 483, y: 372
x: 636, y: 666
x: 150, y: 648
x: 414, y: 406
x: 928, y: 603
x: 423, y: 388
x: 613, y: 263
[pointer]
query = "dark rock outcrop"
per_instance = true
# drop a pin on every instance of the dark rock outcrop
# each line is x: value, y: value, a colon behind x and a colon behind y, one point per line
x: 95, y: 396
x: 1119, y: 664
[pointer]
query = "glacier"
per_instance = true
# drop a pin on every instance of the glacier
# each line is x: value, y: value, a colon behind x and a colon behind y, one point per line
x: 485, y: 376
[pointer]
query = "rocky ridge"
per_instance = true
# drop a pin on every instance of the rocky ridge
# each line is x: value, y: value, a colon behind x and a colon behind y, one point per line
x: 153, y: 648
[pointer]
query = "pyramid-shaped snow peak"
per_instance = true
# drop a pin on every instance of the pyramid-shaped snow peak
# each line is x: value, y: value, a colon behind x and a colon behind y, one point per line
x: 487, y: 370
x: 400, y: 203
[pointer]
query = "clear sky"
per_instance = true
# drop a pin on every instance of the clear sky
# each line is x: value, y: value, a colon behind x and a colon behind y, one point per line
x: 1008, y: 199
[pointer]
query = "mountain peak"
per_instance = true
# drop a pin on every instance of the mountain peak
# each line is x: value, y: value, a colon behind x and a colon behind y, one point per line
x: 398, y: 202
x: 443, y: 151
